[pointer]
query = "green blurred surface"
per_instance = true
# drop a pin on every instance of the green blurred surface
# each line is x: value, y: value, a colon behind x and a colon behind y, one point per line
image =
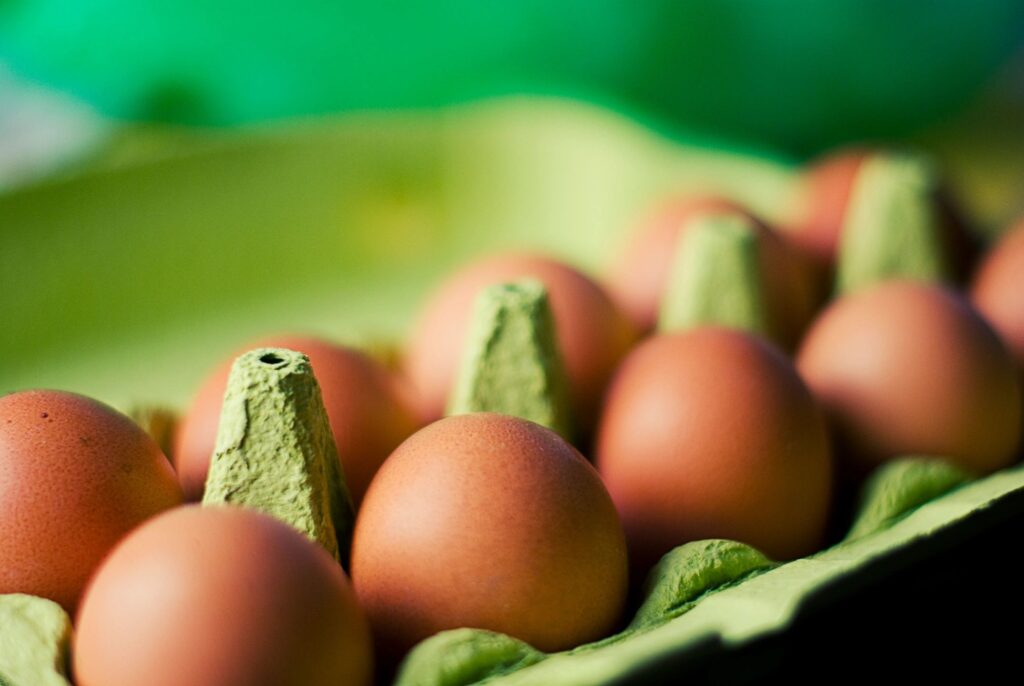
x: 128, y: 280
x: 131, y: 274
x: 797, y: 74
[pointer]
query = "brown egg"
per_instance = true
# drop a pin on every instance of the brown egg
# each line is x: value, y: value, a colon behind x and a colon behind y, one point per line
x: 369, y: 415
x: 75, y: 476
x: 998, y: 290
x: 593, y: 334
x: 820, y: 209
x: 488, y: 521
x: 641, y: 275
x: 711, y: 433
x: 219, y: 596
x: 906, y: 368
x: 816, y: 219
x: 641, y: 271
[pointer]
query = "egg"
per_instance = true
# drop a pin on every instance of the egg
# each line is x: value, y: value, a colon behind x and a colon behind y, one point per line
x: 907, y: 368
x: 641, y: 270
x: 818, y: 213
x: 75, y: 476
x: 368, y: 411
x: 488, y: 521
x: 710, y: 433
x: 998, y: 290
x: 593, y: 334
x: 219, y: 596
x: 640, y: 276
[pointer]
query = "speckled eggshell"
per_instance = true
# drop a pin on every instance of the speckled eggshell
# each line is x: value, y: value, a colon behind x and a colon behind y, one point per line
x: 593, y: 334
x: 998, y: 290
x: 220, y: 596
x: 75, y: 476
x: 905, y: 368
x: 368, y: 412
x: 488, y: 521
x: 639, y: 278
x: 711, y: 433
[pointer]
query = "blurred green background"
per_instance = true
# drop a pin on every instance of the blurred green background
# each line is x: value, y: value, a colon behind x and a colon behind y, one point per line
x: 182, y: 177
x: 797, y: 74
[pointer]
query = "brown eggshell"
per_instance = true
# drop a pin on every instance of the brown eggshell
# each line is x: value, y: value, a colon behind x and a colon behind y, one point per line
x: 639, y: 278
x: 710, y: 433
x: 998, y: 290
x: 217, y: 596
x: 488, y: 521
x: 816, y: 219
x: 907, y: 368
x: 820, y: 208
x: 368, y: 414
x: 593, y: 334
x: 75, y: 476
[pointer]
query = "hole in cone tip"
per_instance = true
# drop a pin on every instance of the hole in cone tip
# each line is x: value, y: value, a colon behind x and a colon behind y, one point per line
x: 271, y: 359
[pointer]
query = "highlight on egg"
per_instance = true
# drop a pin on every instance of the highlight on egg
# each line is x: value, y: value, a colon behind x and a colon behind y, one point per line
x: 208, y: 596
x: 711, y: 433
x: 909, y: 368
x: 488, y: 521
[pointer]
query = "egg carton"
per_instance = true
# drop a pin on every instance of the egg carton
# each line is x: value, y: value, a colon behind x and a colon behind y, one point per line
x: 923, y: 539
x: 719, y: 611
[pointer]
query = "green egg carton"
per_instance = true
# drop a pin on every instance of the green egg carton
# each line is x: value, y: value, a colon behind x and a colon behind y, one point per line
x: 720, y: 607
x: 132, y: 276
